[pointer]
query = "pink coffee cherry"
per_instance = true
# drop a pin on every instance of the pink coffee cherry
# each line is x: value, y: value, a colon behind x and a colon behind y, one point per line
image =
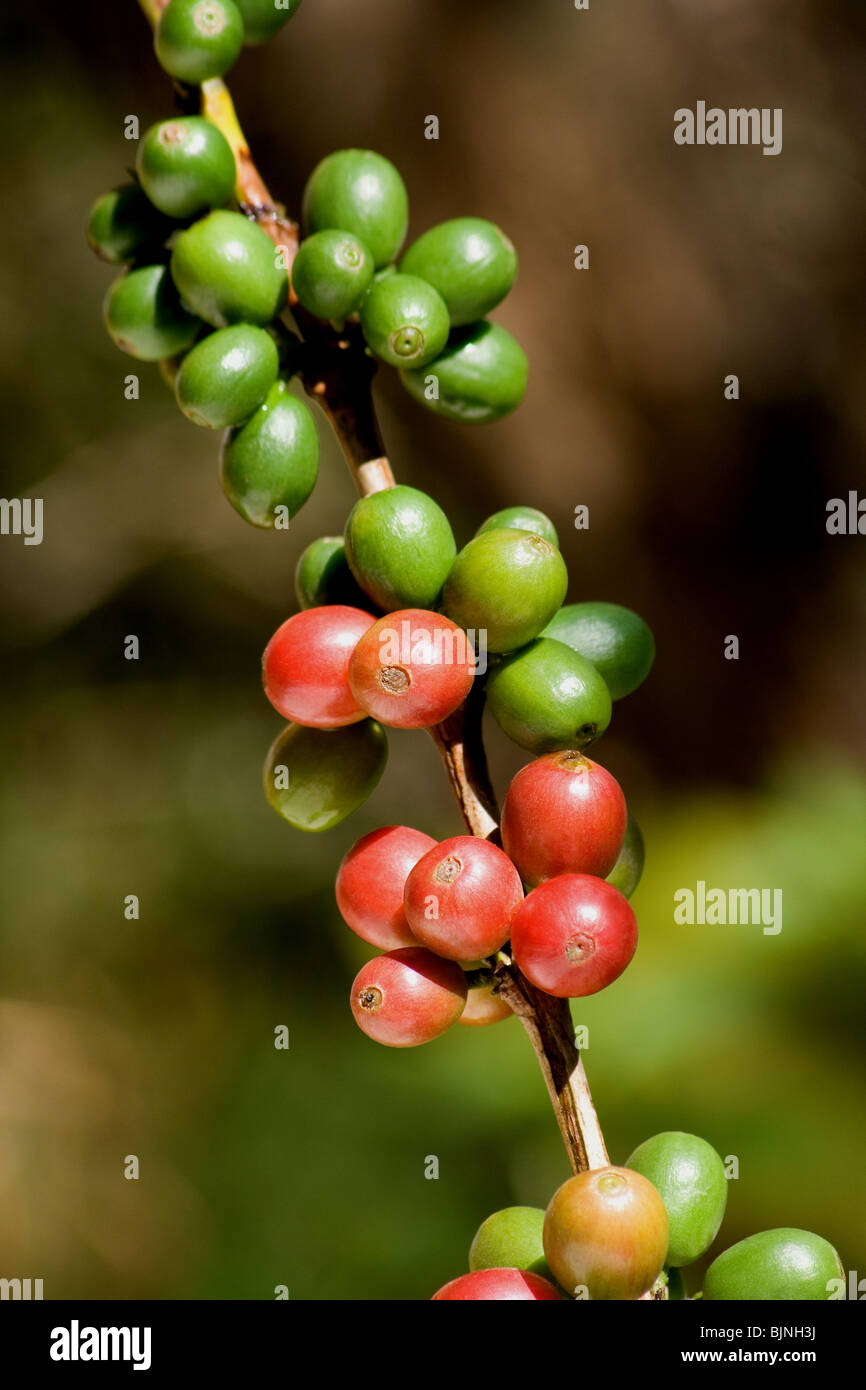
x: 573, y: 935
x: 408, y: 997
x: 460, y: 898
x: 370, y: 883
x: 305, y: 668
x: 487, y: 1285
x: 483, y: 1007
x: 412, y: 669
x: 563, y: 814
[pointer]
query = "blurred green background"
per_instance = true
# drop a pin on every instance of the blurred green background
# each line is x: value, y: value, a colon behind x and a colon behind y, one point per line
x: 155, y: 1037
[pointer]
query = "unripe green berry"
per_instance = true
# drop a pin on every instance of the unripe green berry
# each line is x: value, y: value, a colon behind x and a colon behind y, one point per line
x: 226, y: 376
x: 228, y: 271
x: 469, y: 261
x: 272, y: 460
x: 198, y: 39
x: 780, y: 1265
x: 626, y: 872
x: 404, y: 321
x: 264, y: 18
x: 322, y: 576
x: 145, y: 317
x: 331, y: 274
x: 186, y: 165
x: 315, y: 778
x: 480, y: 376
x: 123, y: 223
x: 546, y: 697
x: 689, y: 1176
x: 400, y: 546
x: 617, y: 642
x: 511, y: 1239
x: 361, y: 192
x: 509, y: 583
x: 521, y: 519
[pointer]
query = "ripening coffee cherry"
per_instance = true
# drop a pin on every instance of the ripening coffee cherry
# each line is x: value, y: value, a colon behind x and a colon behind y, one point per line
x: 469, y: 261
x: 264, y: 18
x: 606, y: 1232
x: 507, y: 582
x: 484, y: 1005
x: 370, y: 883
x: 563, y: 814
x: 400, y: 547
x: 331, y: 274
x: 198, y: 39
x: 145, y: 317
x: 497, y: 1285
x: 521, y: 519
x: 228, y: 271
x: 573, y: 935
x: 480, y: 376
x: 322, y: 576
x: 305, y: 667
x: 460, y: 898
x: 784, y: 1264
x: 411, y: 670
x: 361, y: 192
x: 626, y: 872
x: 546, y: 697
x: 404, y: 321
x: 186, y: 165
x: 273, y: 460
x: 511, y: 1238
x: 226, y: 376
x: 315, y: 778
x: 124, y: 223
x: 407, y: 997
x: 617, y: 642
x: 690, y: 1178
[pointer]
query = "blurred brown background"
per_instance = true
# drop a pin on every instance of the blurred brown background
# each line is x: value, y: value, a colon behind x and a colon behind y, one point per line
x: 708, y: 516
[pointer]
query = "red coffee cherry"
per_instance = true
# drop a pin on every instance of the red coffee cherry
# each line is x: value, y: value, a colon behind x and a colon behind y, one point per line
x: 370, y: 883
x: 606, y: 1234
x: 563, y: 814
x: 486, y: 1285
x: 408, y: 997
x: 460, y: 898
x: 305, y: 668
x: 483, y: 1007
x: 573, y: 935
x: 412, y: 669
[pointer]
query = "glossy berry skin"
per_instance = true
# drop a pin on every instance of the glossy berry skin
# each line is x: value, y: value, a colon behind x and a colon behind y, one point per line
x: 186, y: 165
x: 411, y: 670
x: 226, y: 270
x: 690, y: 1178
x: 521, y: 519
x: 124, y: 223
x: 271, y: 461
x: 497, y: 1285
x: 404, y: 321
x: 198, y: 39
x: 626, y: 872
x: 546, y: 697
x: 331, y: 274
x: 508, y: 582
x: 262, y: 19
x: 480, y: 376
x: 573, y: 935
x: 511, y: 1238
x: 226, y: 376
x: 407, y: 997
x: 322, y: 575
x: 563, y: 814
x: 361, y: 192
x: 469, y: 261
x: 400, y: 547
x: 144, y: 316
x: 305, y: 667
x: 483, y: 1007
x: 617, y: 642
x: 315, y: 778
x: 370, y: 883
x: 606, y: 1233
x: 460, y: 898
x: 783, y: 1264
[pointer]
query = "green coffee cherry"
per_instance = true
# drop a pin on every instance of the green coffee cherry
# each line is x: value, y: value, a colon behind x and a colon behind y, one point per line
x: 315, y: 778
x: 546, y: 697
x: 404, y: 321
x: 400, y: 547
x: 626, y: 872
x: 198, y: 39
x: 123, y: 223
x: 228, y: 271
x: 331, y: 274
x: 469, y: 261
x: 185, y: 166
x: 323, y: 576
x: 263, y: 18
x: 617, y: 642
x: 272, y: 461
x: 145, y: 317
x: 676, y: 1286
x: 507, y: 582
x: 480, y: 376
x: 226, y: 376
x: 690, y: 1178
x: 511, y: 1239
x: 521, y: 519
x: 361, y: 192
x: 784, y: 1264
